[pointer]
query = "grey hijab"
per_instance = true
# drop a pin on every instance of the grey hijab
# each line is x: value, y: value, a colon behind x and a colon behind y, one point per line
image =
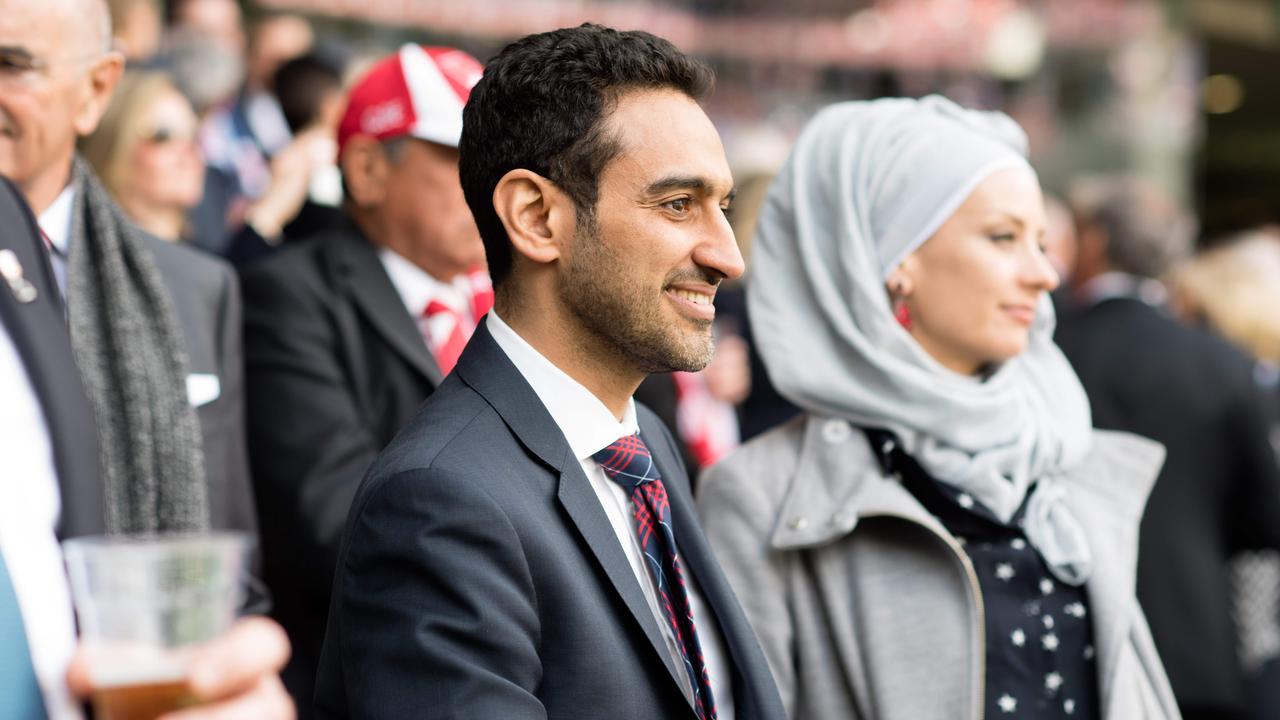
x: 867, y: 184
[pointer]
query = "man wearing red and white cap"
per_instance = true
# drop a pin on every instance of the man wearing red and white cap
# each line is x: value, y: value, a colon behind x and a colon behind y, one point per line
x: 347, y: 333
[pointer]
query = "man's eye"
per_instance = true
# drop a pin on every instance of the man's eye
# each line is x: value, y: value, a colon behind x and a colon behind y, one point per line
x: 14, y: 64
x: 680, y: 205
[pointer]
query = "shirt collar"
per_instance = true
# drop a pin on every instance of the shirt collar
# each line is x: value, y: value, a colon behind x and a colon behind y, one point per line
x: 55, y: 221
x: 586, y: 423
x: 1114, y: 284
x: 417, y: 287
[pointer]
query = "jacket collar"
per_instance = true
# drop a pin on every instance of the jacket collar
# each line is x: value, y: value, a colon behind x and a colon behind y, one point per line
x: 487, y: 370
x: 354, y: 261
x: 838, y: 481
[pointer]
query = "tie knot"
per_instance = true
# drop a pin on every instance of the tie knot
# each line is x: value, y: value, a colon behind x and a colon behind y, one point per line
x: 627, y: 462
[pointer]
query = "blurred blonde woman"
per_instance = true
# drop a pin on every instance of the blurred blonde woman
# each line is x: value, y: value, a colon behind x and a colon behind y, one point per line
x: 146, y: 154
x: 1235, y: 289
x: 941, y: 535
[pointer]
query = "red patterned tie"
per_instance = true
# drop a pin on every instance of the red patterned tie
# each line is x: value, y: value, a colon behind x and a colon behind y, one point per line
x: 446, y: 350
x: 628, y: 462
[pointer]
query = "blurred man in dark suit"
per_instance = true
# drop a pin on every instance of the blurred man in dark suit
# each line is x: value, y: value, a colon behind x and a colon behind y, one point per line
x: 1219, y: 490
x: 346, y: 333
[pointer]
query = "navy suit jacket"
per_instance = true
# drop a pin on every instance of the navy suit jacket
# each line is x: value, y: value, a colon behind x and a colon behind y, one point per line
x: 479, y: 576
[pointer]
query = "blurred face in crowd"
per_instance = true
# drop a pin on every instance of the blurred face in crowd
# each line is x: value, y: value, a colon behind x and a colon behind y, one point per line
x: 56, y: 79
x: 640, y: 275
x: 218, y: 19
x: 139, y: 28
x: 164, y: 168
x: 972, y: 288
x: 411, y: 201
x: 276, y: 41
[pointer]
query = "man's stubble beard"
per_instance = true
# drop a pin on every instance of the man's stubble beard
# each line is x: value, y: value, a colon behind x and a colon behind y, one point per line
x: 624, y: 317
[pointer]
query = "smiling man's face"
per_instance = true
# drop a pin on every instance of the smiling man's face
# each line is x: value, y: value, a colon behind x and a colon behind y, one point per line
x: 644, y: 267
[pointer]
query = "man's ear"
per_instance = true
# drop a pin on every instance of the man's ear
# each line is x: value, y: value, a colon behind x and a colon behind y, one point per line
x: 538, y: 217
x: 100, y: 83
x: 365, y: 169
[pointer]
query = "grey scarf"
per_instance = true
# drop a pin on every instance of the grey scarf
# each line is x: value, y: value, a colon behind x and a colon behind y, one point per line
x: 129, y: 348
x: 867, y: 184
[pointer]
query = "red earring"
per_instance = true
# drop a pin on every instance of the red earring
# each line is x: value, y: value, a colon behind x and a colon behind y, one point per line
x: 900, y: 311
x: 902, y: 314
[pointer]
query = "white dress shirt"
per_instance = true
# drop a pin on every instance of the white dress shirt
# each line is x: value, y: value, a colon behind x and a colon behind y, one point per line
x: 589, y: 427
x: 30, y: 503
x: 417, y: 288
x: 55, y: 221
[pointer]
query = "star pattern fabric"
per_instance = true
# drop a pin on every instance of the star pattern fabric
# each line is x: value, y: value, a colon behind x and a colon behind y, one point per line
x: 627, y: 462
x: 1040, y: 662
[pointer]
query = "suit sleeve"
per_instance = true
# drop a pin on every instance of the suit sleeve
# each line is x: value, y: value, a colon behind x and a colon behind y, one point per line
x: 436, y: 610
x: 308, y: 443
x: 737, y: 516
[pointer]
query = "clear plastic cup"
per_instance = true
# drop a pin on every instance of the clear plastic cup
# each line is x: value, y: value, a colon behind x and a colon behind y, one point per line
x: 143, y: 604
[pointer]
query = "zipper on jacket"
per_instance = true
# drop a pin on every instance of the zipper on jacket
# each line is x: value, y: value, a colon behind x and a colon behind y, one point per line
x: 976, y: 589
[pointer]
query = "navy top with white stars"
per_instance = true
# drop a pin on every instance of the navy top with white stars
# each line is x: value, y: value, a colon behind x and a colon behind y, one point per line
x: 1040, y: 654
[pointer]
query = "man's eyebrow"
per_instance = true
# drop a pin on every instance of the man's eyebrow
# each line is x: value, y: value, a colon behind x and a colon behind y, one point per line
x: 684, y: 182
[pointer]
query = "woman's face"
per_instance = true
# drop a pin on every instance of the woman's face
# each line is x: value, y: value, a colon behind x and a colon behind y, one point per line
x: 973, y: 287
x: 165, y: 169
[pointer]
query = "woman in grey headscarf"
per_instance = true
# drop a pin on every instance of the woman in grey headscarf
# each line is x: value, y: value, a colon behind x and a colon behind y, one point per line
x: 941, y: 536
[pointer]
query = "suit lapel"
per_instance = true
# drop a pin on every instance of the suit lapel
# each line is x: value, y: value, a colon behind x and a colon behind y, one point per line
x: 38, y: 330
x: 486, y: 368
x: 355, y: 261
x: 579, y: 500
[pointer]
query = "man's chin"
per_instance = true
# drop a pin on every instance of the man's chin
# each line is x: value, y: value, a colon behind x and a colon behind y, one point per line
x: 690, y: 353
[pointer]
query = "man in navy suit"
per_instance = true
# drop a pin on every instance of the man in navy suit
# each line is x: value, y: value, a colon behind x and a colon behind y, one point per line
x: 527, y: 546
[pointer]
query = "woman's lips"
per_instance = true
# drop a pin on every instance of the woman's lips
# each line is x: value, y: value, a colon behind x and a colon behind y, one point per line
x: 1023, y: 314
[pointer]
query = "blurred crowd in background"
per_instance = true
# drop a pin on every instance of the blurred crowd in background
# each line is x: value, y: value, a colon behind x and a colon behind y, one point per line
x: 1151, y: 125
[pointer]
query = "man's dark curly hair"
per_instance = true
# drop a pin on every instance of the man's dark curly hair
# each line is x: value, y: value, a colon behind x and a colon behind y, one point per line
x: 541, y: 106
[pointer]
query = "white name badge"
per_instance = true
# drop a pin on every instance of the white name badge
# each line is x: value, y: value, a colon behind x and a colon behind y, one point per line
x: 202, y: 388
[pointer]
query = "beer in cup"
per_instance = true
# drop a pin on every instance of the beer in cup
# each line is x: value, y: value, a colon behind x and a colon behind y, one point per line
x: 144, y: 604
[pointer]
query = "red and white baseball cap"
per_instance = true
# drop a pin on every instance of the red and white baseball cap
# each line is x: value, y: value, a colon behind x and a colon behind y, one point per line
x: 419, y: 91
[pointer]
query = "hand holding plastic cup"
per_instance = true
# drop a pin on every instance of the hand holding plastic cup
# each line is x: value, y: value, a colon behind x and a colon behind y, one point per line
x: 143, y: 605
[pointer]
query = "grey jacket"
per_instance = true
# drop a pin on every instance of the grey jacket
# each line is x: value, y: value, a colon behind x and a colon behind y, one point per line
x: 206, y: 298
x: 867, y: 607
